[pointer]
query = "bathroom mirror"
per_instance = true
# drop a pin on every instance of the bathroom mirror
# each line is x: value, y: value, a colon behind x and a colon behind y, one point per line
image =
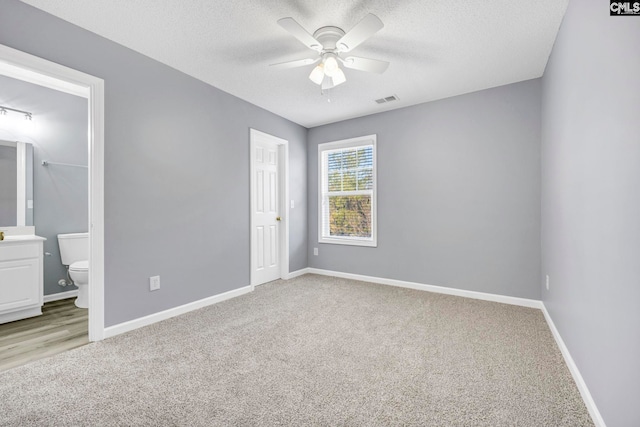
x: 16, y: 184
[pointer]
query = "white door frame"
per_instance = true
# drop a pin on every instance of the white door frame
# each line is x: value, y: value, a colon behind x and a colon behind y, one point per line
x: 32, y: 69
x: 283, y: 187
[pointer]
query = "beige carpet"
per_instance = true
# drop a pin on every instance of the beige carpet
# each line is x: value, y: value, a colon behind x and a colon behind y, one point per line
x: 310, y: 351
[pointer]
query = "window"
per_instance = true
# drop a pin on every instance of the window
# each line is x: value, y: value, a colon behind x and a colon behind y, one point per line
x: 347, y: 192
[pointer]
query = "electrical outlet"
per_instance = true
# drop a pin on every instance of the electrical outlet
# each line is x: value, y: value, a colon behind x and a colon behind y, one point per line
x: 315, y: 251
x: 154, y: 283
x: 547, y: 282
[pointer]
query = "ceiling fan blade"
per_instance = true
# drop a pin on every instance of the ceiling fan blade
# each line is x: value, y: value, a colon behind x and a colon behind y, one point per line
x: 364, y: 29
x: 297, y: 31
x: 365, y: 64
x: 294, y: 64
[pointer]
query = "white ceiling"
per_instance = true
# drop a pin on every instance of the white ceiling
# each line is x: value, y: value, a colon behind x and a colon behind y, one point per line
x: 437, y: 48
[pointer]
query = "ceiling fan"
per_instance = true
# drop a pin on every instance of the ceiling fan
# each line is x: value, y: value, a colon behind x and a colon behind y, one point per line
x: 331, y: 43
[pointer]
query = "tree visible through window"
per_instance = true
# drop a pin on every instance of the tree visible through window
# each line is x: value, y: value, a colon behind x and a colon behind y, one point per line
x: 347, y: 183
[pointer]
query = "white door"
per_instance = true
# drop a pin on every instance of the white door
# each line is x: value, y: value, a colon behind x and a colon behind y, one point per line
x: 265, y: 235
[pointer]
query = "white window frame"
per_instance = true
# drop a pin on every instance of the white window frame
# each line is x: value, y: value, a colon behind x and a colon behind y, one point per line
x: 322, y: 187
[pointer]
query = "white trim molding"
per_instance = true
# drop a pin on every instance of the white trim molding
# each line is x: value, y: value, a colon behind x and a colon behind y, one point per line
x: 35, y: 76
x: 524, y: 302
x: 575, y: 372
x: 96, y: 208
x: 61, y: 295
x: 173, y: 312
x: 36, y: 70
x: 297, y: 273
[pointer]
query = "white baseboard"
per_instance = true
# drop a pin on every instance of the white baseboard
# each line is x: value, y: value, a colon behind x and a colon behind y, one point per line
x: 172, y: 312
x: 297, y: 273
x: 61, y: 295
x: 573, y: 368
x: 524, y: 302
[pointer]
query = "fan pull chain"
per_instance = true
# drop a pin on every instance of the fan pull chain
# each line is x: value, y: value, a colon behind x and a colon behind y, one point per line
x: 328, y: 93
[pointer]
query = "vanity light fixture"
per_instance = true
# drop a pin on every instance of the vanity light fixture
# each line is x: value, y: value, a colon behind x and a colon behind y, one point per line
x: 4, y: 110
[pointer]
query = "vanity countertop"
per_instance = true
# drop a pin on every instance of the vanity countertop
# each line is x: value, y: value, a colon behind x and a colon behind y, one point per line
x: 22, y: 238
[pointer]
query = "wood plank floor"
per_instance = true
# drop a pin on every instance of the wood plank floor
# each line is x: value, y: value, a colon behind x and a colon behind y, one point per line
x: 61, y: 327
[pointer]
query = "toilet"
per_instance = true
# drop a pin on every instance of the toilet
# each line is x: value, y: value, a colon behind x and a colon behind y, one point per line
x: 74, y: 252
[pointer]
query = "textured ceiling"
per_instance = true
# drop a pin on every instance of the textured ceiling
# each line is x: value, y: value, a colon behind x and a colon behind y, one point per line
x: 437, y: 48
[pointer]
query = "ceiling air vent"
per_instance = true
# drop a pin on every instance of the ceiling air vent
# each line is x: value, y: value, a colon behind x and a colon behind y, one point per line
x: 387, y: 99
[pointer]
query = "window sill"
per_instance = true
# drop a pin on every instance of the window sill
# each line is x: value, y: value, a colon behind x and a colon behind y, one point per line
x: 366, y: 243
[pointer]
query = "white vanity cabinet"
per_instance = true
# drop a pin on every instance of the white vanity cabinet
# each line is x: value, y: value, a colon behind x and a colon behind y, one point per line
x: 21, y: 283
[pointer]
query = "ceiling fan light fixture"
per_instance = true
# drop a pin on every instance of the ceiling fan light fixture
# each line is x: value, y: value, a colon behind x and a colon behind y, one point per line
x: 327, y: 83
x: 330, y: 65
x: 317, y: 74
x: 343, y: 47
x: 338, y: 77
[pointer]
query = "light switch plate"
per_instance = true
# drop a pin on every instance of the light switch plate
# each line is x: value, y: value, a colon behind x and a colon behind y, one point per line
x: 154, y: 283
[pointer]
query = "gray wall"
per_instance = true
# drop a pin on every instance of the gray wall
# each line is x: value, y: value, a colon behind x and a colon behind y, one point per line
x: 61, y: 193
x: 8, y: 182
x: 176, y: 170
x: 591, y: 202
x: 458, y: 193
x: 458, y: 187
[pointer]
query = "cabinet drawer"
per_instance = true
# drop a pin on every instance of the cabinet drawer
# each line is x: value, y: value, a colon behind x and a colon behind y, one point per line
x: 19, y: 284
x: 13, y: 251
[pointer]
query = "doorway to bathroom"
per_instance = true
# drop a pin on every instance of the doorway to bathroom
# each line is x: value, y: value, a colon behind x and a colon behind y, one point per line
x: 30, y: 69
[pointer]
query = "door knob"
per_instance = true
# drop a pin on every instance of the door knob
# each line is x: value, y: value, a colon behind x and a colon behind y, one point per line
x: 278, y: 218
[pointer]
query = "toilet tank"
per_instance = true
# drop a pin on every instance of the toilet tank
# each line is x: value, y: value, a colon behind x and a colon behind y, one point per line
x: 73, y: 247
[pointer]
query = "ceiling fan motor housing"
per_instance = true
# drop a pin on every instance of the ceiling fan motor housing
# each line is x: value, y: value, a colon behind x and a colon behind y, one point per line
x: 328, y: 36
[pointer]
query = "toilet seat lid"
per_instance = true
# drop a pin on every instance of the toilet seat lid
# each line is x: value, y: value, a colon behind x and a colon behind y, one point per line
x: 80, y: 265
